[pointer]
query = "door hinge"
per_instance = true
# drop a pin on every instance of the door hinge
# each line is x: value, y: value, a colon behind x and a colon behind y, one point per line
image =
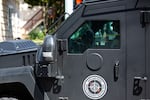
x: 145, y: 17
x: 61, y: 46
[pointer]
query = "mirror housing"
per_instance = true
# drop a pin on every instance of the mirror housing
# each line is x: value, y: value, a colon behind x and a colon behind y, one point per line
x: 48, y: 49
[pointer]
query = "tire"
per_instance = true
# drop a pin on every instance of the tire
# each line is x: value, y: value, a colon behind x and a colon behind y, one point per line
x: 8, y: 98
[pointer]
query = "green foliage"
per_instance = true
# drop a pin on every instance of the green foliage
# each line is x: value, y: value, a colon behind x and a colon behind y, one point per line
x: 36, y: 2
x: 36, y: 34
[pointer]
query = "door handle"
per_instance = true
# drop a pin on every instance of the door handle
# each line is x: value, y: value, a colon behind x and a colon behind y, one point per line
x: 63, y: 98
x: 141, y: 78
x: 116, y: 71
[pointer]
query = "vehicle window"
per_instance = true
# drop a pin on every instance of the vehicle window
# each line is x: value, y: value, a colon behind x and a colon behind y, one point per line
x: 102, y: 34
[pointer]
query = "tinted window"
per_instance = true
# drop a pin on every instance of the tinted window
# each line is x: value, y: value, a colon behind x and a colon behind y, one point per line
x: 102, y: 34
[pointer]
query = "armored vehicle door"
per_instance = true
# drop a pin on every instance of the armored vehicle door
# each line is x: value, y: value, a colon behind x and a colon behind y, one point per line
x: 138, y: 56
x: 148, y: 68
x: 94, y: 62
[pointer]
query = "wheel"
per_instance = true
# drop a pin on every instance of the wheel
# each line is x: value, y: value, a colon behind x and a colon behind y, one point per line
x: 8, y: 98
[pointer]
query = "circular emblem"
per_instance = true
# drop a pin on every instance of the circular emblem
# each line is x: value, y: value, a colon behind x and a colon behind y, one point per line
x: 94, y: 87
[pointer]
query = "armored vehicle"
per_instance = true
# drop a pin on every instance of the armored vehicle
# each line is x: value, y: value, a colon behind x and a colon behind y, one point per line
x: 101, y: 52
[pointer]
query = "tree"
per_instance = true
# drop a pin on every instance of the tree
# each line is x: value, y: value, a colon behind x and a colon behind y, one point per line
x: 36, y: 2
x: 52, y: 9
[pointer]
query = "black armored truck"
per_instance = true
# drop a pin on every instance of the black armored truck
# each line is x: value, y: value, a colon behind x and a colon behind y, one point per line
x: 101, y: 52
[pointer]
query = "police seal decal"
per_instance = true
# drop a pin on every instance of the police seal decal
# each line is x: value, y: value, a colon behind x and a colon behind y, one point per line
x: 94, y: 87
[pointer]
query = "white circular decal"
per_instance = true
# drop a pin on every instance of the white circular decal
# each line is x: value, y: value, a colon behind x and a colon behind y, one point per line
x: 94, y: 87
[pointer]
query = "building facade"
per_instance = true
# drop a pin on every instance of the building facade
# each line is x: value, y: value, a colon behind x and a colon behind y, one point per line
x: 9, y: 19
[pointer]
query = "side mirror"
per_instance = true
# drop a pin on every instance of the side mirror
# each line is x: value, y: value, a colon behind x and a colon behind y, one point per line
x: 46, y: 57
x: 48, y: 49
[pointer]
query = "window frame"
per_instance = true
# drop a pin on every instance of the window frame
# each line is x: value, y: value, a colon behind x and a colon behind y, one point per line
x: 118, y: 21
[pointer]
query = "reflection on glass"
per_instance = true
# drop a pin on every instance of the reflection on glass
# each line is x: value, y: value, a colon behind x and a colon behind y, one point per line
x: 103, y: 34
